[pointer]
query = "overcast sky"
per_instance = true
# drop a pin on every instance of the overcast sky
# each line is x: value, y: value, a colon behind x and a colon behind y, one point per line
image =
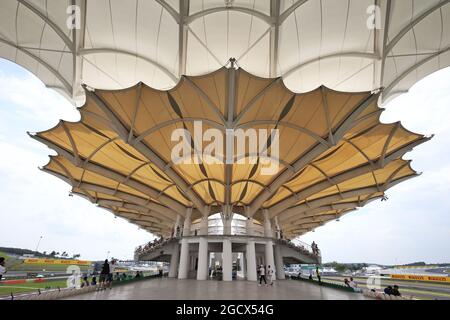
x: 413, y: 225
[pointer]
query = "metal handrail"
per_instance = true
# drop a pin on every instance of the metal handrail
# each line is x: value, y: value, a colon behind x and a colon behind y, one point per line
x: 302, y: 246
x: 152, y: 247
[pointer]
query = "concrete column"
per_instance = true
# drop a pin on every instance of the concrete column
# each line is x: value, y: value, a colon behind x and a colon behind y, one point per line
x: 204, y: 224
x: 184, y: 260
x: 249, y: 226
x: 251, y: 261
x: 227, y: 217
x: 277, y: 226
x: 227, y: 264
x: 187, y: 223
x: 174, y: 261
x: 249, y: 222
x: 242, y: 264
x: 226, y: 226
x: 203, y: 231
x: 267, y: 224
x: 177, y: 225
x: 202, y: 267
x: 269, y: 259
x: 279, y: 267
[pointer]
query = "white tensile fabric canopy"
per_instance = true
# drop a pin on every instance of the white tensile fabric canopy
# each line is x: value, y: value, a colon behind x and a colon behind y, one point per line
x: 346, y: 45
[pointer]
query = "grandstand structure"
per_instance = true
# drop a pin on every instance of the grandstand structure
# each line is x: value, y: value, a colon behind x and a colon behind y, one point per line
x: 315, y: 72
x: 333, y: 156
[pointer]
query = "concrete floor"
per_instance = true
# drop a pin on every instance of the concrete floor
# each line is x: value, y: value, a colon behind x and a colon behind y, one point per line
x: 172, y: 289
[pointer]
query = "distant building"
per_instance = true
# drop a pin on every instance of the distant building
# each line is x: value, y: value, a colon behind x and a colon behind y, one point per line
x: 373, y: 269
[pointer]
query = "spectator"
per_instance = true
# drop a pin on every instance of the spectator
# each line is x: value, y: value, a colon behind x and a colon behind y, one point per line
x: 352, y: 284
x: 346, y: 282
x: 262, y: 275
x: 2, y: 267
x: 395, y: 291
x: 388, y: 290
x: 138, y: 275
x: 104, y: 274
x: 85, y: 282
x: 315, y: 248
x: 94, y: 281
x: 124, y: 276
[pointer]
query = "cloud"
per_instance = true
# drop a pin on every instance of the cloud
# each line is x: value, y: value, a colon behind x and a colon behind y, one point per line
x: 414, y: 224
x: 32, y: 100
x: 35, y: 203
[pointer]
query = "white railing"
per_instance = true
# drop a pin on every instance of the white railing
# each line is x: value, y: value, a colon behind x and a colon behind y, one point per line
x: 238, y: 227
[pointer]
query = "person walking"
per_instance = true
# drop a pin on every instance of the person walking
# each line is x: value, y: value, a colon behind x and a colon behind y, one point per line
x: 104, y: 274
x: 270, y: 275
x: 2, y: 267
x: 318, y: 275
x: 262, y: 275
x: 112, y: 268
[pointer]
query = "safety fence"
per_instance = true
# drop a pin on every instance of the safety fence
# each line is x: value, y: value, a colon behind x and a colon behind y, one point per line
x: 373, y: 294
x: 61, y: 293
x: 23, y: 281
x: 325, y: 284
x: 57, y: 261
x: 416, y: 277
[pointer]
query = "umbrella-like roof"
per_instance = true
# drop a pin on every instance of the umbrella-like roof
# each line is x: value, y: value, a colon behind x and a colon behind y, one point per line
x: 334, y: 154
x: 347, y: 45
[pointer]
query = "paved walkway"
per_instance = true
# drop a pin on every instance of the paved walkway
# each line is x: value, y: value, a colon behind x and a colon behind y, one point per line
x: 172, y: 289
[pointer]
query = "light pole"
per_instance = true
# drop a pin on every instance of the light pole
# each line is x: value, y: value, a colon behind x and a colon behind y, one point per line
x: 37, y: 246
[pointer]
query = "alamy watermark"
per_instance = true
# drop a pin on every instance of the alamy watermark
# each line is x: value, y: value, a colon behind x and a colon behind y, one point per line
x: 74, y: 280
x: 73, y: 21
x: 373, y: 282
x: 235, y: 146
x: 374, y: 20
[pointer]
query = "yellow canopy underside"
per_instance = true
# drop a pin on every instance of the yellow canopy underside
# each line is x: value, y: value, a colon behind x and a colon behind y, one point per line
x: 106, y: 158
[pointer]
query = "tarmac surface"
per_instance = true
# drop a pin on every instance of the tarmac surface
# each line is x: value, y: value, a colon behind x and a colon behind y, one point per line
x: 172, y: 289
